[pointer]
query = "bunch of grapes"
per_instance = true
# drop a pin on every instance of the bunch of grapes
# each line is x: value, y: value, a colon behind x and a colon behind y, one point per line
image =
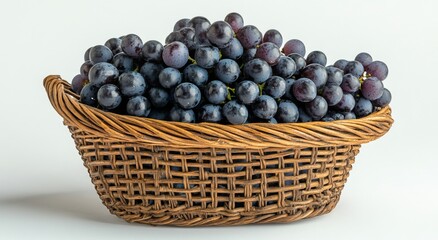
x: 227, y: 72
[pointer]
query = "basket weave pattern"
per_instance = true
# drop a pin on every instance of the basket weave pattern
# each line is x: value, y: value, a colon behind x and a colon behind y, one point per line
x: 168, y: 173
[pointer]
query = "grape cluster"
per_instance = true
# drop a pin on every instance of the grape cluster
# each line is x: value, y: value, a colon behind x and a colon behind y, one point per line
x: 227, y: 72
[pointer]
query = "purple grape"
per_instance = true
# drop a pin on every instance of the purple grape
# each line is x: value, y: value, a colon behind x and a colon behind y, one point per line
x: 377, y: 69
x: 207, y: 57
x: 341, y: 63
x: 347, y: 103
x: 235, y: 20
x: 182, y: 23
x: 247, y: 91
x: 132, y: 84
x: 109, y: 96
x: 275, y: 87
x: 187, y: 95
x: 175, y: 54
x: 227, y: 71
x: 196, y: 75
x: 289, y: 94
x: 152, y: 51
x: 89, y: 95
x: 177, y: 114
x: 299, y: 60
x: 334, y: 75
x: 200, y: 24
x: 169, y: 77
x: 100, y: 53
x: 269, y: 52
x: 103, y: 73
x: 158, y: 97
x: 372, y: 88
x: 248, y: 55
x: 115, y: 45
x: 349, y: 115
x: 216, y: 92
x: 294, y: 46
x: 355, y: 68
x: 123, y: 62
x: 303, y: 116
x: 363, y: 107
x: 150, y: 72
x: 85, y: 68
x: 285, y: 67
x: 220, y: 34
x: 273, y: 36
x: 316, y: 73
x: 364, y: 58
x: 138, y: 106
x: 233, y: 51
x: 87, y: 54
x: 338, y: 116
x: 264, y: 107
x: 332, y: 94
x: 258, y: 70
x: 350, y: 83
x: 304, y: 90
x: 249, y: 36
x: 317, y: 108
x: 187, y: 36
x: 235, y: 112
x: 210, y: 113
x: 132, y: 45
x: 287, y: 112
x: 384, y: 100
x: 316, y: 57
x: 78, y: 82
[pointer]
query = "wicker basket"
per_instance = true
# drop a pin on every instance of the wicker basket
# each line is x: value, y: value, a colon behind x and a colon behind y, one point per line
x: 170, y: 173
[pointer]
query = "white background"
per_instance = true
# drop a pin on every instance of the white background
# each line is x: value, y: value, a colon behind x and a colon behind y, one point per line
x: 45, y: 192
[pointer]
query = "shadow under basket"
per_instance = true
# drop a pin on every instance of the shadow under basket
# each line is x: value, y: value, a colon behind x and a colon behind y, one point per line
x: 171, y: 173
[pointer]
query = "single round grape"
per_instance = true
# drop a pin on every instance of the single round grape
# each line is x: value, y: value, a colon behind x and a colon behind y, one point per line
x: 109, y: 96
x: 235, y: 112
x: 364, y: 58
x: 377, y: 69
x: 248, y: 55
x: 210, y: 113
x: 175, y: 54
x: 227, y: 70
x: 247, y: 91
x: 207, y: 57
x: 287, y: 112
x: 181, y: 24
x: 304, y: 90
x: 100, y: 53
x: 316, y: 73
x: 196, y: 75
x: 132, y: 84
x: 334, y: 75
x: 89, y: 95
x: 150, y: 72
x: 158, y: 97
x: 317, y: 108
x: 285, y: 67
x: 384, y: 100
x: 288, y: 93
x: 169, y: 77
x: 115, y: 45
x: 294, y: 46
x: 316, y: 57
x: 87, y: 54
x: 273, y: 36
x: 372, y: 88
x: 249, y: 36
x: 363, y: 107
x: 200, y: 24
x: 338, y: 116
x: 85, y: 68
x: 350, y: 83
x: 258, y: 70
x: 347, y: 103
x: 132, y: 45
x: 138, y: 106
x: 220, y: 34
x: 269, y: 52
x: 299, y: 60
x: 349, y: 115
x: 233, y: 51
x: 178, y: 114
x: 235, y: 20
x: 332, y: 94
x: 355, y: 68
x: 275, y: 87
x: 303, y: 117
x: 200, y: 40
x: 78, y: 82
x: 264, y: 107
x: 152, y: 51
x: 172, y: 37
x: 187, y: 95
x: 123, y: 62
x: 187, y: 36
x: 341, y: 63
x: 103, y: 73
x: 216, y: 92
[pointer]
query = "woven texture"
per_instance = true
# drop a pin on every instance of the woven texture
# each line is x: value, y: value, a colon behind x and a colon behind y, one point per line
x: 170, y: 173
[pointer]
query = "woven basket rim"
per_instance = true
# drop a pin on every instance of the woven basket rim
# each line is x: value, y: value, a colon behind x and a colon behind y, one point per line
x: 199, y: 135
